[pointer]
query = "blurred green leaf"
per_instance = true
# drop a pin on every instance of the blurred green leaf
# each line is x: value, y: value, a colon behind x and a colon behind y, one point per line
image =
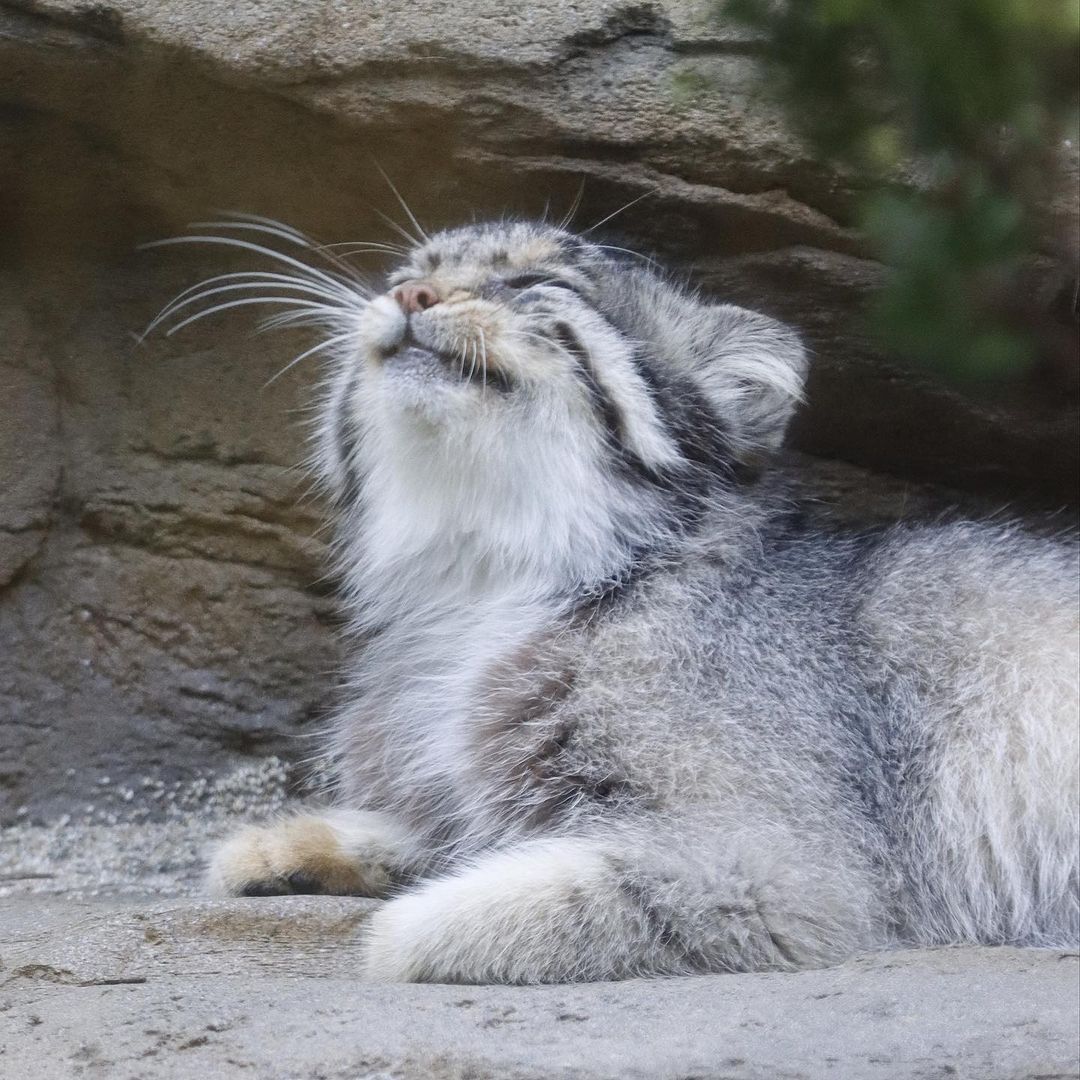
x: 978, y: 93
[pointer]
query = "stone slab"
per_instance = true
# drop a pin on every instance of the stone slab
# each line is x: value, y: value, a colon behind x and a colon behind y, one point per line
x: 267, y: 988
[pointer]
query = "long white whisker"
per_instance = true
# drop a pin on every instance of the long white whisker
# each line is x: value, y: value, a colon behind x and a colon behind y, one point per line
x: 414, y: 243
x: 314, y: 315
x: 627, y: 251
x: 170, y: 306
x: 404, y: 205
x: 260, y: 275
x: 394, y: 249
x: 277, y: 281
x: 256, y: 224
x: 574, y: 206
x: 288, y: 232
x: 615, y: 213
x: 349, y: 250
x: 174, y: 307
x: 335, y: 283
x: 270, y: 227
x: 240, y: 303
x: 308, y: 352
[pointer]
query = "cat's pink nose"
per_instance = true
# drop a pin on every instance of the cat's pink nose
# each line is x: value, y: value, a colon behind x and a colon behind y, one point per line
x: 413, y: 296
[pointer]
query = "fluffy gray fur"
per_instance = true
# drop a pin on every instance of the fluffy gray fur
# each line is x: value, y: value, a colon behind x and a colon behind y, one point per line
x: 615, y: 709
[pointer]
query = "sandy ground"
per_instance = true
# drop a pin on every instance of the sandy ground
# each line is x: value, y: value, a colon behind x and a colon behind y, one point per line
x: 143, y: 839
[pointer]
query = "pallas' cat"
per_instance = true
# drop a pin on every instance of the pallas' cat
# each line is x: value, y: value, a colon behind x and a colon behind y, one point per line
x: 613, y: 708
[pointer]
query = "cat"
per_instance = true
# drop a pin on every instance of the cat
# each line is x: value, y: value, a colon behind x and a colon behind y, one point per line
x: 615, y: 708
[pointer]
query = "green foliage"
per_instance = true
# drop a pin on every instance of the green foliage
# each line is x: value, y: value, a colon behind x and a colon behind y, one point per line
x: 969, y: 99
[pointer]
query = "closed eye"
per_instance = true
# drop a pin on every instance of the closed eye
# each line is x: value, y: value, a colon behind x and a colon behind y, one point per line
x: 528, y: 281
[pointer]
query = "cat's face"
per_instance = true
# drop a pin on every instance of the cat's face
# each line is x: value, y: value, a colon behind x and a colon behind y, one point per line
x: 521, y: 338
x: 495, y: 324
x: 520, y: 393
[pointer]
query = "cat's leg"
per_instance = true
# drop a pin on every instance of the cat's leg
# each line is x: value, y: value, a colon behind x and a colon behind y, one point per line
x: 563, y: 909
x: 339, y: 852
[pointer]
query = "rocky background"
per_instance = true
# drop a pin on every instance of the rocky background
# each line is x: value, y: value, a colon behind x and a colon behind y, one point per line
x: 163, y: 614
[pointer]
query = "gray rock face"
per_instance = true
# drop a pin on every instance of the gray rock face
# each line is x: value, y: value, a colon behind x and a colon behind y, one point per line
x: 163, y: 611
x: 267, y: 988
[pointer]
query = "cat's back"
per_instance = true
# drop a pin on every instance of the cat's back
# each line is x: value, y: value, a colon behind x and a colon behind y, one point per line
x: 944, y: 595
x: 810, y: 647
x: 975, y: 628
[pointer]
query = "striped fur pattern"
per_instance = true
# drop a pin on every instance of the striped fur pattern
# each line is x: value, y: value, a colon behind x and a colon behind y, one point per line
x: 615, y: 709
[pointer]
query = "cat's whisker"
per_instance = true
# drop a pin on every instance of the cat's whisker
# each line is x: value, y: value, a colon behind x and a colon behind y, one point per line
x: 628, y: 251
x: 423, y: 236
x: 341, y: 287
x: 414, y: 242
x: 253, y: 276
x: 267, y: 224
x: 391, y: 249
x: 255, y: 223
x: 351, y: 253
x: 351, y: 250
x: 199, y: 315
x: 616, y: 213
x: 317, y: 315
x: 568, y: 217
x: 337, y: 339
x: 173, y: 308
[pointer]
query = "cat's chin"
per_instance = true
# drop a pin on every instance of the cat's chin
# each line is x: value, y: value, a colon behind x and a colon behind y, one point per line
x: 436, y: 385
x: 426, y: 365
x: 421, y: 384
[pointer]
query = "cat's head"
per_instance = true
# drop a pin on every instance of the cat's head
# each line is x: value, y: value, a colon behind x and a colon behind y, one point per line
x: 502, y: 356
x: 516, y: 396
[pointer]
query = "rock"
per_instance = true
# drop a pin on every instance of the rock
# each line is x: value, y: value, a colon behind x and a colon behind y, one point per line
x: 269, y: 988
x: 87, y: 944
x: 164, y: 610
x: 29, y: 452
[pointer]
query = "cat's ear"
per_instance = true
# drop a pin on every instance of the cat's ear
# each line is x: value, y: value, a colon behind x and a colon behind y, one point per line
x: 753, y: 372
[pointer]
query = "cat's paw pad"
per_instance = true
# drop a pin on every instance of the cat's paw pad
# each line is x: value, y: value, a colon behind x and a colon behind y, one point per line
x: 299, y: 855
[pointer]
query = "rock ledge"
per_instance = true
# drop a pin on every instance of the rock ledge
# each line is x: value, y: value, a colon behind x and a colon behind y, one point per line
x: 267, y: 988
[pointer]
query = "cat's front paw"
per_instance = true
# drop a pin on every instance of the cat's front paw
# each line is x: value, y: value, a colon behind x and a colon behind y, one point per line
x: 354, y: 853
